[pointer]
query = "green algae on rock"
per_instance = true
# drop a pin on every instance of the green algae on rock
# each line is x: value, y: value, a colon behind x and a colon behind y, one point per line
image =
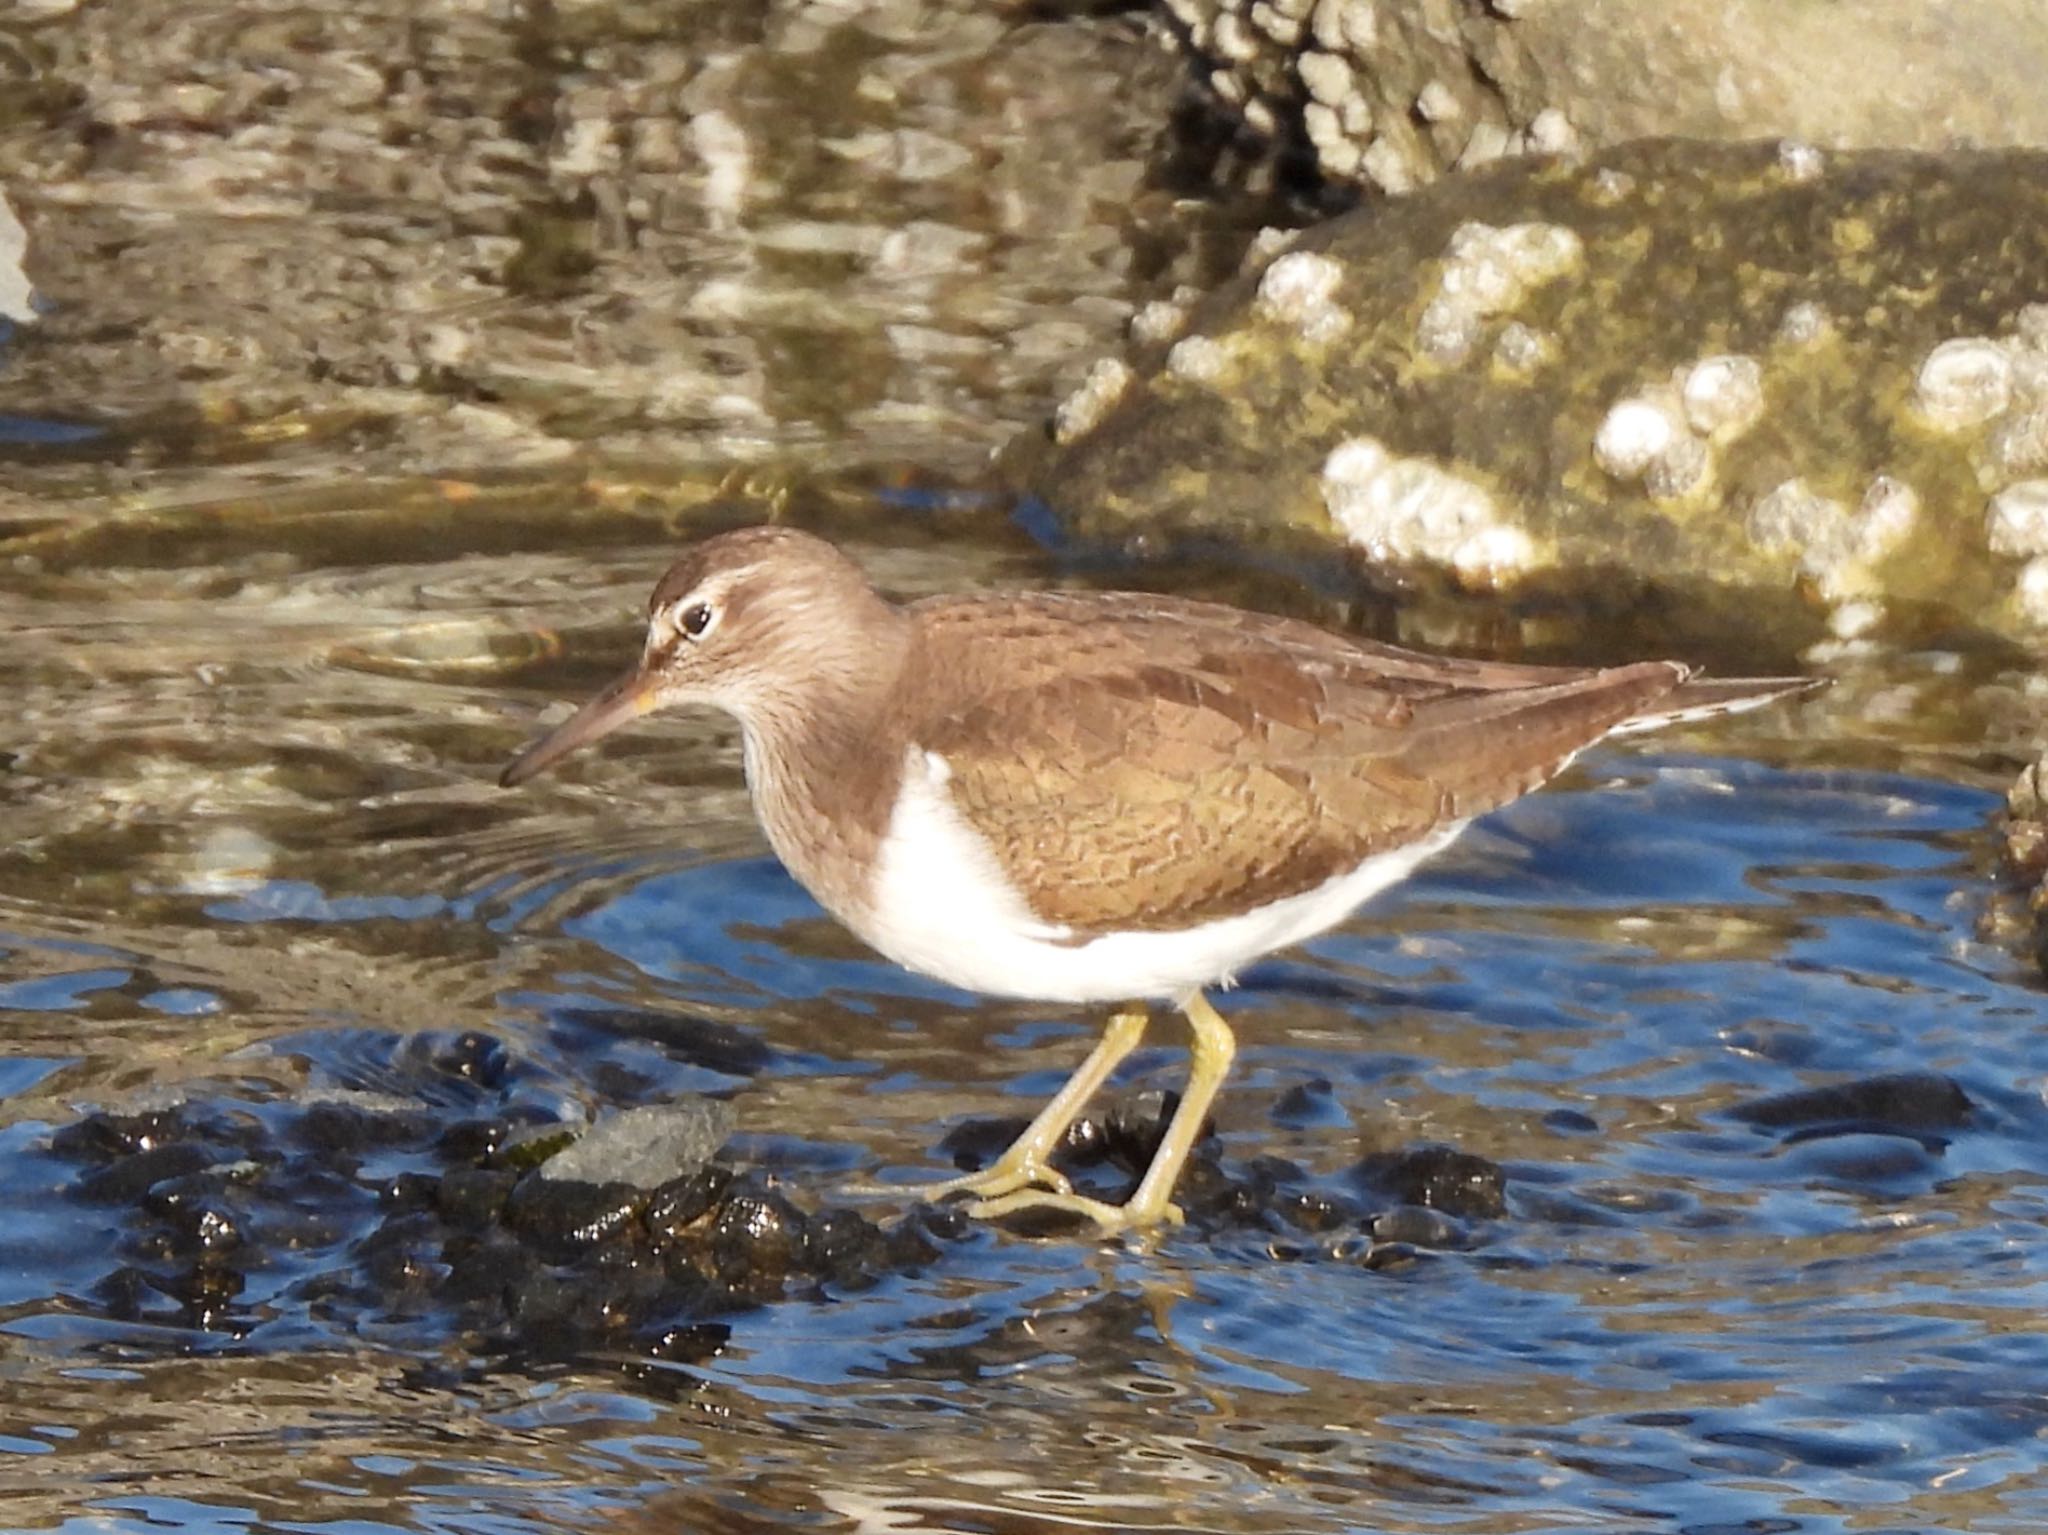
x: 1716, y: 369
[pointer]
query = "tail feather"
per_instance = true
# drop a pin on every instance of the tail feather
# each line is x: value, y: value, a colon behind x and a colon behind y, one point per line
x: 1705, y: 698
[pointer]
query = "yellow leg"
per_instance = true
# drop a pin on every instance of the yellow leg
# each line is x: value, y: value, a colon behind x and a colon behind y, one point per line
x: 1213, y: 1050
x: 1028, y: 1162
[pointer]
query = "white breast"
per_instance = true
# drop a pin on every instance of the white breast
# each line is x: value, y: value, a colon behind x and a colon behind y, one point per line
x: 941, y: 905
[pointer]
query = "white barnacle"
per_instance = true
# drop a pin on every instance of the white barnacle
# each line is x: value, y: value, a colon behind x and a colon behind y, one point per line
x: 1080, y: 412
x: 1964, y: 382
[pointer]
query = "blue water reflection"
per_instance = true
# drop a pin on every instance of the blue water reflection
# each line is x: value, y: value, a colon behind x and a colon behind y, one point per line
x: 1687, y: 1319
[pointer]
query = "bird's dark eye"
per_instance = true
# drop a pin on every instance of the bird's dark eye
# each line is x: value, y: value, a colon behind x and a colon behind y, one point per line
x: 695, y: 619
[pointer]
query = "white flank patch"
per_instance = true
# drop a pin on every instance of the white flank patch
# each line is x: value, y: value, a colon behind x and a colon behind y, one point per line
x: 941, y: 906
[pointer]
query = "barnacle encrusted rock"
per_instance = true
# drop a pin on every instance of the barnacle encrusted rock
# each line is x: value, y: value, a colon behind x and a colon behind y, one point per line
x: 1687, y: 367
x: 1392, y: 95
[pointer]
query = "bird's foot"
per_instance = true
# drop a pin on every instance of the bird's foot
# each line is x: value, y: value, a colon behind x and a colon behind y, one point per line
x: 1020, y: 1169
x: 1109, y: 1219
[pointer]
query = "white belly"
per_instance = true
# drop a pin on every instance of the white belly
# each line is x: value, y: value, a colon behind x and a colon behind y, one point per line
x: 941, y: 906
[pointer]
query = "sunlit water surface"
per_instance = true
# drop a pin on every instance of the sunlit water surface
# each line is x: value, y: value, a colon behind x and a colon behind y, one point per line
x: 255, y: 847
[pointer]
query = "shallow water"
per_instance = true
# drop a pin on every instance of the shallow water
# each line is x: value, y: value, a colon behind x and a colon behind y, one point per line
x: 257, y: 855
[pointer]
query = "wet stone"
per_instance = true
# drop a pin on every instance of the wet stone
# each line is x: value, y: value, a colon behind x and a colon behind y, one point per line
x: 1212, y: 1197
x: 1440, y: 1177
x: 474, y: 1197
x: 1865, y: 1161
x: 973, y: 1144
x: 126, y: 1293
x: 680, y: 1204
x: 471, y: 1056
x: 127, y: 1180
x: 757, y: 1237
x: 704, y: 1042
x: 646, y: 1147
x: 1570, y: 1122
x: 845, y: 1247
x: 1418, y: 1226
x: 1136, y: 1124
x: 541, y: 1303
x: 687, y: 1344
x: 1902, y: 1102
x: 202, y: 1218
x: 348, y: 1125
x: 105, y: 1137
x: 485, y: 1269
x: 564, y: 1220
x: 410, y: 1191
x: 479, y: 1140
x: 920, y: 1237
x: 1310, y: 1105
x: 1391, y: 1257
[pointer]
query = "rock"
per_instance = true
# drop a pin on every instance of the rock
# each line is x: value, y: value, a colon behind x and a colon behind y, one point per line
x: 1901, y: 1103
x: 474, y: 1197
x: 647, y: 1147
x: 1393, y: 97
x: 17, y: 299
x: 680, y: 1205
x: 565, y: 1219
x: 1418, y: 1226
x: 1679, y: 369
x: 757, y: 1239
x: 1437, y: 1178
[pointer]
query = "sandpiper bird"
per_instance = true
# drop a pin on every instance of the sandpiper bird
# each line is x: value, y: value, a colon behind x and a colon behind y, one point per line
x: 1097, y: 797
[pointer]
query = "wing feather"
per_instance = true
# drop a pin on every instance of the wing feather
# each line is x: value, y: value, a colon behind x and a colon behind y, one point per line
x: 1189, y: 761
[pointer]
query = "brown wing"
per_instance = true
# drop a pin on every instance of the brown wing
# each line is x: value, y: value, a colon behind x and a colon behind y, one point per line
x: 1187, y: 761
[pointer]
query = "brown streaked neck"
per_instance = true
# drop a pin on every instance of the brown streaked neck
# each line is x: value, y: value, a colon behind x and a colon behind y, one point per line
x: 824, y: 750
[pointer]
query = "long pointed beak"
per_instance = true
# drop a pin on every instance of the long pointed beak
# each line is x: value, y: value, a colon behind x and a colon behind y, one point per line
x: 620, y: 704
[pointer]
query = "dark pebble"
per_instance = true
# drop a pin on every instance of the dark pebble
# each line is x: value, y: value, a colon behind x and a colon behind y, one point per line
x: 1312, y: 1211
x: 625, y: 1286
x: 126, y: 1293
x: 209, y: 1287
x: 676, y: 1207
x: 1310, y: 1105
x: 339, y: 1128
x: 470, y: 1198
x: 687, y: 1343
x: 1570, y: 1122
x: 474, y: 1140
x: 1418, y: 1226
x: 471, y: 1056
x: 203, y: 1226
x: 127, y: 1180
x: 1441, y: 1177
x: 485, y: 1269
x: 564, y: 1220
x: 1879, y: 1162
x: 704, y: 1042
x: 409, y: 1191
x: 109, y: 1137
x: 1136, y: 1124
x: 921, y: 1235
x: 973, y: 1144
x: 757, y: 1236
x: 1214, y: 1198
x: 844, y: 1246
x: 1905, y: 1101
x: 1390, y: 1257
x: 542, y: 1304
